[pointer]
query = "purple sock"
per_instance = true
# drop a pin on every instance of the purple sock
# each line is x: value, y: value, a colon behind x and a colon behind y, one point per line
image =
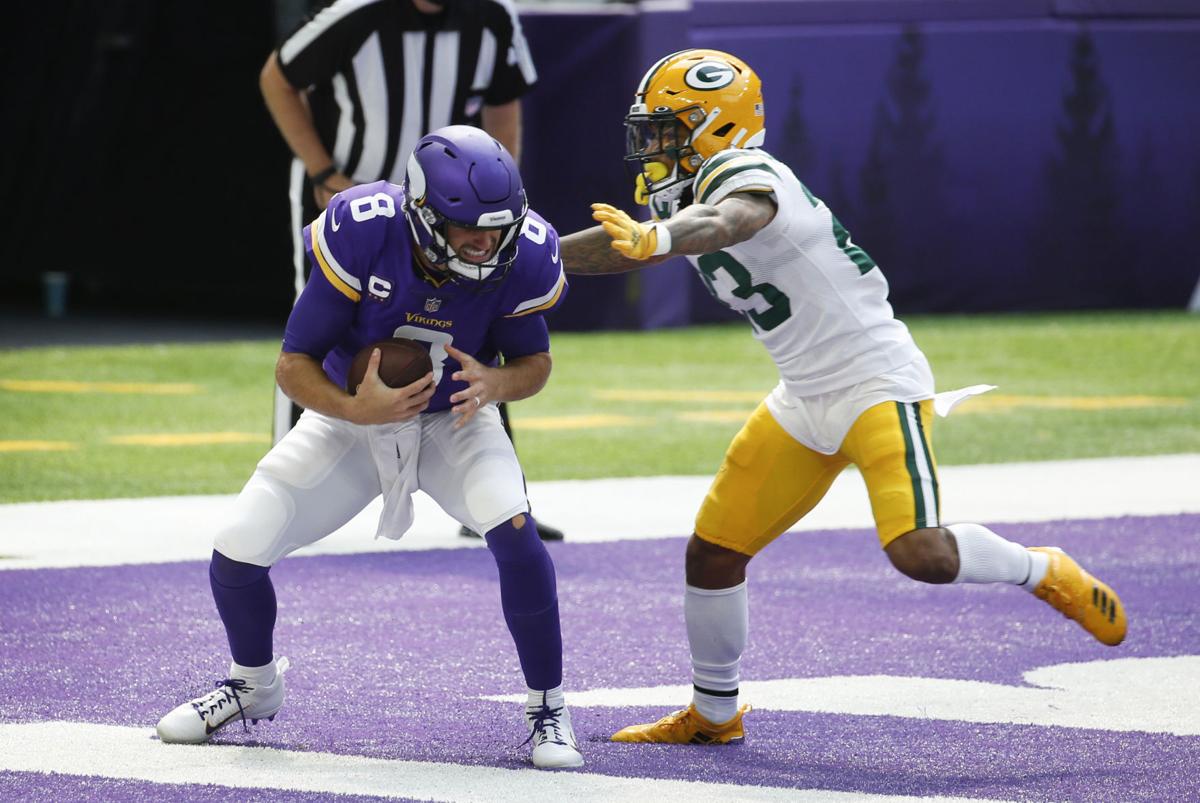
x: 246, y: 601
x: 529, y: 596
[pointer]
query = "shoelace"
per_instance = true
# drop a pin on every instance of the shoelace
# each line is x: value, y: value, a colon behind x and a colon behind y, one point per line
x: 676, y: 720
x: 545, y: 719
x: 228, y: 690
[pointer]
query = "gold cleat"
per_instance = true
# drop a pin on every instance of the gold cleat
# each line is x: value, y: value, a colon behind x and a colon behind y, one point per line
x: 685, y: 727
x: 1079, y: 596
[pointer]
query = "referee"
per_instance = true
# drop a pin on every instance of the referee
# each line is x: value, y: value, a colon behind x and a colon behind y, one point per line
x: 355, y: 86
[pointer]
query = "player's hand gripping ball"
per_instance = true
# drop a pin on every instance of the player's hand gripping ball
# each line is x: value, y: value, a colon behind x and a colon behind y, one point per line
x: 401, y: 362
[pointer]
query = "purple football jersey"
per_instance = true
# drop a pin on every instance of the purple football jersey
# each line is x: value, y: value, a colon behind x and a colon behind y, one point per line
x: 366, y: 286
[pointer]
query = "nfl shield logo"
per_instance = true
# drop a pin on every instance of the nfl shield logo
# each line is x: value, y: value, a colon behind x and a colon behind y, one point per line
x: 433, y: 304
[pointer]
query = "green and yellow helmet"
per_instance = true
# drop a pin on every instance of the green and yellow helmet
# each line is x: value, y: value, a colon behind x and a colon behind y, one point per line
x: 689, y: 106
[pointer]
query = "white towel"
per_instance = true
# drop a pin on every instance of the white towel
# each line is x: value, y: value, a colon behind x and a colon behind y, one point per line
x: 396, y: 449
x: 947, y: 400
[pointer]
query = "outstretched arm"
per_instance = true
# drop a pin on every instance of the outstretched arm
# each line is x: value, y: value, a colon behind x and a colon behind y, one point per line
x: 590, y: 252
x: 703, y: 229
x: 622, y: 244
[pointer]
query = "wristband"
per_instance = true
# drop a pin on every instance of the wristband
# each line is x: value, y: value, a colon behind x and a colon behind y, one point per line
x: 320, y: 178
x: 663, y: 240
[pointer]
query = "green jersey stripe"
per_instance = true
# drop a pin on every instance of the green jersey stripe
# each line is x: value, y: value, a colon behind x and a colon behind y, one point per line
x: 933, y: 480
x: 733, y: 171
x: 715, y: 162
x: 910, y: 460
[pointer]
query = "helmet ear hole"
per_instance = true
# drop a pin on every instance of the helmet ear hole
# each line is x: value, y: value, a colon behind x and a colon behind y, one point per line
x: 723, y: 130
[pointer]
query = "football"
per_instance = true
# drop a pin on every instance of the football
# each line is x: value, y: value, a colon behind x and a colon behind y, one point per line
x: 401, y: 362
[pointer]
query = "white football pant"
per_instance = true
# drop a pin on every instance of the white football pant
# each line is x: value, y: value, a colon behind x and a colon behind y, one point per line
x: 324, y: 471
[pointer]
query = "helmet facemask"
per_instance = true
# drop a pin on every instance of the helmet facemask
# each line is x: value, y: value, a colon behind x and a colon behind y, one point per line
x: 688, y: 107
x: 659, y: 152
x: 429, y: 231
x: 461, y: 176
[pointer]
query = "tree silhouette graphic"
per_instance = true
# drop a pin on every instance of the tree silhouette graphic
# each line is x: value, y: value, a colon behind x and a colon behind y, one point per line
x: 875, y: 181
x: 901, y: 183
x: 797, y: 148
x: 1079, y: 255
x: 839, y: 195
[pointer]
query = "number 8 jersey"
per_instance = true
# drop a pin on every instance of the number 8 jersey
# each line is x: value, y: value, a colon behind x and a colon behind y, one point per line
x: 815, y: 299
x: 366, y: 286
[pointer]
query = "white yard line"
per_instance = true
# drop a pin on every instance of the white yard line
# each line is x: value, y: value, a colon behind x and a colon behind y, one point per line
x: 1152, y: 695
x: 119, y: 531
x: 77, y: 748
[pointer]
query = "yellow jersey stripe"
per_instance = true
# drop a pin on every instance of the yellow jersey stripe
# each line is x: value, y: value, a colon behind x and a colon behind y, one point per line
x: 725, y: 189
x: 740, y: 161
x: 331, y: 275
x: 545, y: 302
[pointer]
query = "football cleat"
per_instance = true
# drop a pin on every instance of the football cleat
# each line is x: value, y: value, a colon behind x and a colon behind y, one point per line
x: 195, y: 721
x: 546, y: 532
x: 553, y: 738
x: 1079, y: 596
x: 686, y: 727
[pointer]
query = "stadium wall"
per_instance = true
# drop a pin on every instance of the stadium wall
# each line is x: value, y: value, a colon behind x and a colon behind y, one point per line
x: 990, y: 154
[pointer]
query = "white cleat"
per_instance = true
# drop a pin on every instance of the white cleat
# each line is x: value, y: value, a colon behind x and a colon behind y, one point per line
x: 195, y: 721
x: 553, y: 739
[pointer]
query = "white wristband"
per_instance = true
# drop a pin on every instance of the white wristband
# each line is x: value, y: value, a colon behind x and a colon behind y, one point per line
x: 664, y: 240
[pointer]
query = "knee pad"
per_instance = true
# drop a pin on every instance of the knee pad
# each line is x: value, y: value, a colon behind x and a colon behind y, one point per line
x: 235, y: 574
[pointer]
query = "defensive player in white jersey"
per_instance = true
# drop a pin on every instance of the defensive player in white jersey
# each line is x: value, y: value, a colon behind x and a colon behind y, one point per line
x: 854, y: 387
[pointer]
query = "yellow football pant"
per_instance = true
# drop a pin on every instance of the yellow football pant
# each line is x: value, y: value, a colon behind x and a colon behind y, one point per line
x: 769, y: 481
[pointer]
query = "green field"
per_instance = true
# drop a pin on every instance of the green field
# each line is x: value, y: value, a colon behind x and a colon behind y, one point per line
x: 1070, y: 387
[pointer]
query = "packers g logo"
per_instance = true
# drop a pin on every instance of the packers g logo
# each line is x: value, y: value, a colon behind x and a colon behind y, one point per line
x: 709, y: 75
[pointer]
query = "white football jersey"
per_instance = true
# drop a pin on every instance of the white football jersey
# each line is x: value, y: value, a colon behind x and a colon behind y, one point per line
x: 815, y: 299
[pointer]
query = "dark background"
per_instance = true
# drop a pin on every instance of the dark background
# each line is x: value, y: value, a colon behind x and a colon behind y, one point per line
x: 991, y: 155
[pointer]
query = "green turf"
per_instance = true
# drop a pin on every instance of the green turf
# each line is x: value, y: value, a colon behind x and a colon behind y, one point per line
x: 1080, y: 355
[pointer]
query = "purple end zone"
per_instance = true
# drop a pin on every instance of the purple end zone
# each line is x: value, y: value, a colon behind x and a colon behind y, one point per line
x: 390, y: 653
x: 36, y: 787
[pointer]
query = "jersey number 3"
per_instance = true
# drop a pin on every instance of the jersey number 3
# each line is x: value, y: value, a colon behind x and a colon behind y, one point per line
x: 731, y: 284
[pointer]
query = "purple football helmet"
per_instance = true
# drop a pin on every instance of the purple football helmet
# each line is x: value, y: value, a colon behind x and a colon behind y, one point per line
x: 461, y: 175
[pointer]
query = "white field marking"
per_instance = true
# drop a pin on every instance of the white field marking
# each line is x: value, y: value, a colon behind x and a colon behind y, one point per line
x: 1156, y: 695
x: 108, y: 751
x: 156, y: 530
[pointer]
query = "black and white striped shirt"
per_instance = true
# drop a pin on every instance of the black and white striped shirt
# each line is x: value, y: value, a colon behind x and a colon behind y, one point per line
x: 382, y: 75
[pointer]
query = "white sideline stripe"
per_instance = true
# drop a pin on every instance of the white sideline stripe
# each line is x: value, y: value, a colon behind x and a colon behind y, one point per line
x: 118, y: 531
x: 109, y: 751
x: 1153, y: 695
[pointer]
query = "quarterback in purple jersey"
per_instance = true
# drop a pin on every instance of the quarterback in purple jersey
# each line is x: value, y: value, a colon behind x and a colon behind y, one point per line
x: 453, y: 259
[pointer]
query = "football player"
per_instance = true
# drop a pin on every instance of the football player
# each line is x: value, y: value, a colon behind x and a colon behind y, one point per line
x: 854, y: 387
x: 453, y: 259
